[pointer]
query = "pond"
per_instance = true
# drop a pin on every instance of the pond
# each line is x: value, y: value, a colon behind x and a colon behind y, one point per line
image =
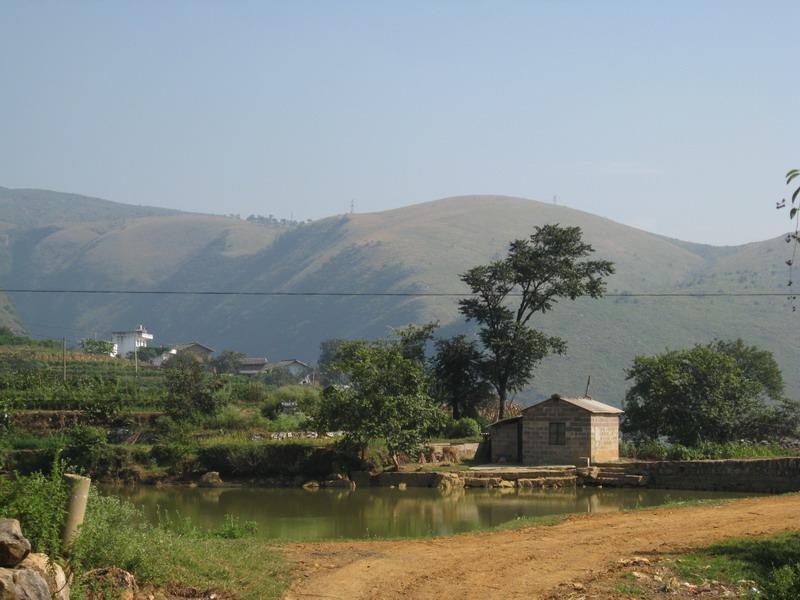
x: 374, y: 512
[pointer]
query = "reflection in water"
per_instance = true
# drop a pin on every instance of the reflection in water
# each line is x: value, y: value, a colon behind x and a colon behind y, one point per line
x: 297, y: 514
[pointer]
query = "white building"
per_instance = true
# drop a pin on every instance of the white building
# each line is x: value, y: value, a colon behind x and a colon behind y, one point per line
x: 126, y: 342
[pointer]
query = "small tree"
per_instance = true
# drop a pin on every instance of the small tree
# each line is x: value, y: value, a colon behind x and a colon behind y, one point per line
x: 227, y: 361
x: 457, y: 377
x: 386, y: 398
x: 91, y: 346
x: 191, y: 392
x: 535, y: 274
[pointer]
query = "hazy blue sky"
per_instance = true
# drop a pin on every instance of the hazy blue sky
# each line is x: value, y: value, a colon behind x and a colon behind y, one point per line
x: 678, y: 117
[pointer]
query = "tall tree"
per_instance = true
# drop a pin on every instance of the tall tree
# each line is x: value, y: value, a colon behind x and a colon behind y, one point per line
x: 457, y: 377
x: 536, y: 273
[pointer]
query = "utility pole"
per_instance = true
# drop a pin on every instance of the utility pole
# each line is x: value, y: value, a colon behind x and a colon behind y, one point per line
x: 64, y: 358
x: 588, y: 383
x: 352, y: 205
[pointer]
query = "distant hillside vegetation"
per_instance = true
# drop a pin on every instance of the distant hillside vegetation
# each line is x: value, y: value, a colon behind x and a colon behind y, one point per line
x: 417, y: 248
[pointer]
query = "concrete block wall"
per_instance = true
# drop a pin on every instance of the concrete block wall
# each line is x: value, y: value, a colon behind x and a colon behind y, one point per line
x: 504, y: 442
x: 605, y: 438
x: 758, y: 475
x: 536, y: 447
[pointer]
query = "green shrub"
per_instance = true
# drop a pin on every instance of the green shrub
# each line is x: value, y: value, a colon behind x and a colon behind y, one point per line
x: 178, y: 457
x: 115, y: 533
x: 249, y: 459
x: 233, y: 528
x: 250, y: 392
x: 271, y: 408
x: 784, y: 583
x: 85, y: 446
x: 234, y: 418
x: 305, y: 398
x: 295, y: 422
x: 464, y: 427
x: 38, y: 502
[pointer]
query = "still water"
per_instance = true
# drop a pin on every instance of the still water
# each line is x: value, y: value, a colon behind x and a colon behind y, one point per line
x: 297, y: 514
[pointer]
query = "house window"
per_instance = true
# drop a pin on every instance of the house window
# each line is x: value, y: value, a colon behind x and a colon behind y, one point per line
x: 558, y: 434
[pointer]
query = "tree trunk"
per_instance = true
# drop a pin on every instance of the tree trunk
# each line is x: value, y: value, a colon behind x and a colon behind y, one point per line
x: 501, y: 395
x: 396, y: 461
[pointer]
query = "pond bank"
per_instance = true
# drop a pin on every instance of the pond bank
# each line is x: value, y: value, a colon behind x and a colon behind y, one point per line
x: 754, y: 475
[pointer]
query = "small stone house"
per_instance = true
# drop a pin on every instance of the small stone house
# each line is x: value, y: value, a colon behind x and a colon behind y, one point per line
x: 558, y: 431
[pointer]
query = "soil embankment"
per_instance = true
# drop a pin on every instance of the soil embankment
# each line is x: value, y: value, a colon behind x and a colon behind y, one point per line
x: 525, y: 563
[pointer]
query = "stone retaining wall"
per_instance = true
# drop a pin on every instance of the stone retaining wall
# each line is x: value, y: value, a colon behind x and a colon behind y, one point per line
x: 765, y: 475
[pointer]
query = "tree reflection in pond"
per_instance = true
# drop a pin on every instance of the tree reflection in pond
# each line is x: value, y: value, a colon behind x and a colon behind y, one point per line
x: 297, y: 514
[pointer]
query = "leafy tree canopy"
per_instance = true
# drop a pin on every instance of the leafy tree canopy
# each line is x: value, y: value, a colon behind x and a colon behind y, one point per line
x: 457, y: 377
x: 191, y: 392
x: 91, y: 346
x: 386, y: 397
x: 713, y: 392
x: 227, y: 361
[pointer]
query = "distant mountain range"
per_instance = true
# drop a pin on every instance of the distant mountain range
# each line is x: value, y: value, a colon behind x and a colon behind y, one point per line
x: 51, y: 240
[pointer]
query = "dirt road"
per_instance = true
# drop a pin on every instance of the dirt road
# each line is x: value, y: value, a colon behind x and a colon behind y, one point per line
x: 525, y: 563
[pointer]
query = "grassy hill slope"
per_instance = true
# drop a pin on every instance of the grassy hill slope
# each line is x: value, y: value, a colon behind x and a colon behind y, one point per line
x: 417, y: 248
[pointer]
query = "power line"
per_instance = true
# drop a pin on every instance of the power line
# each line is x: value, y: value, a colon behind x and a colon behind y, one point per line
x: 701, y: 294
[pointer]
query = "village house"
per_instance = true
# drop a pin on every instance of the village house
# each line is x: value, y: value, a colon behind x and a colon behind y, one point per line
x: 125, y: 342
x: 558, y: 431
x: 199, y: 351
x: 296, y: 370
x: 252, y: 365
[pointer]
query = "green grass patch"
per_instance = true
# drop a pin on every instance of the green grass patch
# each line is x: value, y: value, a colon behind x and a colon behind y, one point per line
x: 772, y: 562
x: 523, y: 522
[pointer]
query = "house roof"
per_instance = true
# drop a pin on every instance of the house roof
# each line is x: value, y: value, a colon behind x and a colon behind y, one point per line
x: 285, y: 363
x: 180, y: 347
x: 587, y: 404
x: 252, y: 361
x: 506, y: 420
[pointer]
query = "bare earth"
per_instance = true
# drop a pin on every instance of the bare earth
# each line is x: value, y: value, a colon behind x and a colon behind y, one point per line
x: 525, y: 563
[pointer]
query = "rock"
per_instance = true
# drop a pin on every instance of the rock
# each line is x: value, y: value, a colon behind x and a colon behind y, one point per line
x: 402, y: 486
x: 311, y: 485
x: 446, y: 482
x: 339, y: 483
x: 52, y: 573
x: 505, y: 483
x: 22, y: 584
x: 13, y: 546
x: 482, y: 482
x: 109, y: 583
x: 211, y: 479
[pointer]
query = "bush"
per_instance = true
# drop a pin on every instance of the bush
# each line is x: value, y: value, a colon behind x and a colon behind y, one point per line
x: 784, y: 583
x: 302, y: 398
x: 464, y: 427
x: 38, y: 502
x: 249, y: 459
x: 296, y: 422
x: 85, y: 446
x: 233, y: 528
x: 234, y: 418
x: 178, y: 457
x: 647, y: 449
x: 250, y: 392
x: 115, y: 533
